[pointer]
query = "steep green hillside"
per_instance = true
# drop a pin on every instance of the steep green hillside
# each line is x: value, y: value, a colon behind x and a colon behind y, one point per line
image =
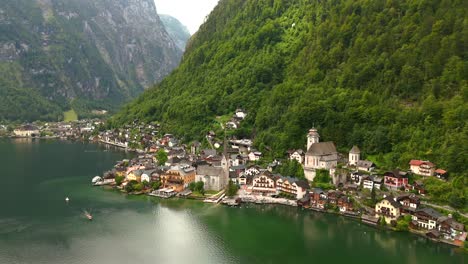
x: 178, y: 32
x: 83, y: 54
x: 389, y: 76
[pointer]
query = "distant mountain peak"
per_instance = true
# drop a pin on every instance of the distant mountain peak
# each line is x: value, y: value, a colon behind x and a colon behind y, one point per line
x: 178, y: 31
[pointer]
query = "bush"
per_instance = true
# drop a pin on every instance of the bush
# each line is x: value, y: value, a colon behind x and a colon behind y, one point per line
x: 231, y: 189
x: 155, y: 185
x: 403, y: 223
x: 119, y: 179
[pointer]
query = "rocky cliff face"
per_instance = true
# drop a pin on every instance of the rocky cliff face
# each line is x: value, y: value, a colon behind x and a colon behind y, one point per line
x: 178, y: 32
x: 83, y: 52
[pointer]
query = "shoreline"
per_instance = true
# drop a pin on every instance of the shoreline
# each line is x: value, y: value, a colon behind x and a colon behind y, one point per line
x: 249, y: 200
x: 293, y: 204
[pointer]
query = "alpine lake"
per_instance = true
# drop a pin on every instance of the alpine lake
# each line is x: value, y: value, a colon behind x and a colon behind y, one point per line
x: 37, y: 225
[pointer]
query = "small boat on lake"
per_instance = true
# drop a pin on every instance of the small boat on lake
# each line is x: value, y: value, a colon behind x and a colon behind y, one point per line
x: 88, y: 215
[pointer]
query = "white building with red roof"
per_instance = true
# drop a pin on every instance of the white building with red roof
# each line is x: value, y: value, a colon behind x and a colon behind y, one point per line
x: 422, y: 167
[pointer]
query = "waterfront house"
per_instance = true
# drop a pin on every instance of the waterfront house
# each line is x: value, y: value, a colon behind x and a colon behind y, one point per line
x: 433, y: 234
x: 304, y: 201
x: 395, y: 179
x: 449, y: 228
x: 318, y: 198
x: 134, y: 175
x: 292, y: 186
x: 345, y: 204
x: 178, y: 177
x: 422, y: 167
x: 426, y: 218
x: 333, y: 196
x: 264, y: 183
x: 388, y: 208
x: 365, y: 165
x: 27, y: 131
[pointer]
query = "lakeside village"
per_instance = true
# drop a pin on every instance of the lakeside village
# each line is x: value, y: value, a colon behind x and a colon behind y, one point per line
x: 334, y: 183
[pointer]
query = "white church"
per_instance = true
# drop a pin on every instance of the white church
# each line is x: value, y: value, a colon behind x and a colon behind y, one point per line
x: 319, y: 155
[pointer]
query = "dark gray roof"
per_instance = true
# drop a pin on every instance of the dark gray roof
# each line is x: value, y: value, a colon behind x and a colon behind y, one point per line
x: 391, y: 200
x: 137, y: 172
x: 365, y: 164
x: 322, y: 148
x: 299, y: 151
x: 429, y: 211
x: 317, y: 190
x: 303, y: 184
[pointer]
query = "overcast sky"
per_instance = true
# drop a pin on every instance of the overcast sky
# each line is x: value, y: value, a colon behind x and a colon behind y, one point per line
x: 191, y: 13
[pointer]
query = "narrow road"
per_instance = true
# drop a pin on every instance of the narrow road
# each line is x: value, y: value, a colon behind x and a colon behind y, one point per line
x: 445, y: 207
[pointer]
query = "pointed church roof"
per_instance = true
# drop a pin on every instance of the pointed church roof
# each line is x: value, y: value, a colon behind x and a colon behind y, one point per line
x: 355, y: 150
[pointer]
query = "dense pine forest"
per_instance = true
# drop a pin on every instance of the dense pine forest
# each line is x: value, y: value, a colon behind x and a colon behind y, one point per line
x: 389, y: 76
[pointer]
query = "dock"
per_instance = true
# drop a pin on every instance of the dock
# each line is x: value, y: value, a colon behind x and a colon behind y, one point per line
x: 163, y: 193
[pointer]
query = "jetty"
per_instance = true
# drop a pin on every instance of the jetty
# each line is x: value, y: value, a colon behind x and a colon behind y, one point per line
x: 163, y: 193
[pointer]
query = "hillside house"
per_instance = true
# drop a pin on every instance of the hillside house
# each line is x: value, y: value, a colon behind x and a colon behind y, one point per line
x: 395, y: 179
x: 365, y: 165
x: 409, y: 202
x: 297, y: 155
x: 421, y: 167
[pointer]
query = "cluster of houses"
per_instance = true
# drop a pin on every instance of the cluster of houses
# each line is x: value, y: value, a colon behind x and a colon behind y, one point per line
x: 319, y: 199
x: 76, y: 130
x: 190, y: 163
x: 235, y: 120
x: 422, y: 218
x: 324, y: 156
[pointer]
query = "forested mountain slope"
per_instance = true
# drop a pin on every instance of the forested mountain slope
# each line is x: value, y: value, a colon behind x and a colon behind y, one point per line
x: 389, y: 76
x: 83, y: 54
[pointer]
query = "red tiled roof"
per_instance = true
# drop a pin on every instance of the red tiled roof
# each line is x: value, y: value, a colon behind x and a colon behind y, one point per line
x: 416, y: 162
x: 420, y: 162
x: 440, y: 171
